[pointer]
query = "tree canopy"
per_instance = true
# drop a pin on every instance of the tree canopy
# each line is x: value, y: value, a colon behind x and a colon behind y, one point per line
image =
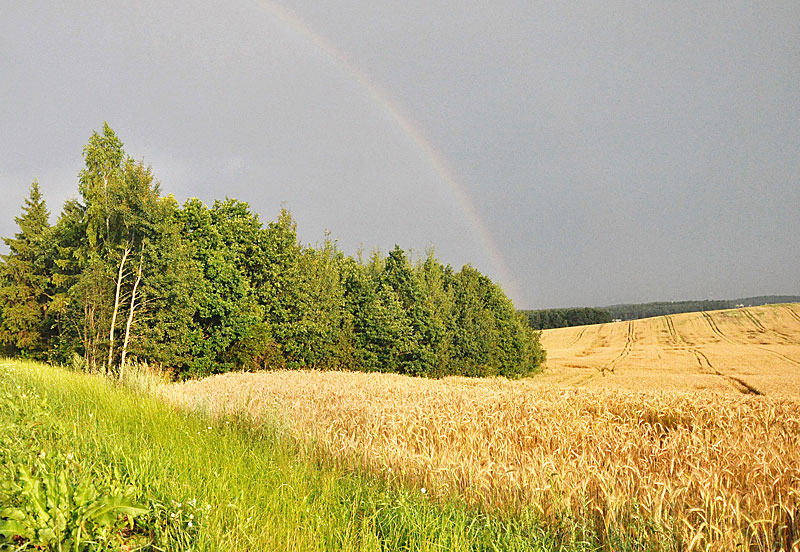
x: 126, y: 273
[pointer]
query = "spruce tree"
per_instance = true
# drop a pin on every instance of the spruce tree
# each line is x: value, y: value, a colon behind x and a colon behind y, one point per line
x: 25, y: 281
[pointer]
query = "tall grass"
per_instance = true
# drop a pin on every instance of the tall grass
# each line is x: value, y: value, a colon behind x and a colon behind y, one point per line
x: 222, y: 484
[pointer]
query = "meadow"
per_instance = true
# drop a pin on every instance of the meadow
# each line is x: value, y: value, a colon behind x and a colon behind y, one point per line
x: 653, y: 442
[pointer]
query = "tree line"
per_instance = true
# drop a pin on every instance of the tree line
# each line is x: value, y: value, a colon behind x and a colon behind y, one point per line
x: 545, y: 319
x: 127, y: 274
x: 661, y: 308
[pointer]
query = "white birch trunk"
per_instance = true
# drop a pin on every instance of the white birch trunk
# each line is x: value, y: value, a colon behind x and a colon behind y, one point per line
x: 129, y: 323
x: 116, y: 310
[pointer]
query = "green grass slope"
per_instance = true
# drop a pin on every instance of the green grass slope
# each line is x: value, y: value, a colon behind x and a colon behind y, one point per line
x: 90, y: 465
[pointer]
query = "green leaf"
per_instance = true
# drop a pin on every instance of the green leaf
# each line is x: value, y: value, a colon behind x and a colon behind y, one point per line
x: 125, y: 506
x: 47, y: 535
x: 12, y: 513
x: 12, y: 528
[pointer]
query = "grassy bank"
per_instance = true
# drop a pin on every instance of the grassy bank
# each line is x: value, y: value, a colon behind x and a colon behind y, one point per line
x: 85, y: 459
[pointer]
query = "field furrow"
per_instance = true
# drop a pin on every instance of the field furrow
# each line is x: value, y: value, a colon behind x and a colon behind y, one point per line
x: 791, y: 312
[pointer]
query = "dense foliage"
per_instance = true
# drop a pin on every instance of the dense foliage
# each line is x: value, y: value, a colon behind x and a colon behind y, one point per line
x: 128, y: 273
x: 561, y: 318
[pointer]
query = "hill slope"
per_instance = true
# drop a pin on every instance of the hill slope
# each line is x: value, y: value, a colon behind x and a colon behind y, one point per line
x: 753, y: 350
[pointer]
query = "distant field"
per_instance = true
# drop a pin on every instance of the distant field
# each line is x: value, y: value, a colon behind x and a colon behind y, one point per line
x: 753, y: 350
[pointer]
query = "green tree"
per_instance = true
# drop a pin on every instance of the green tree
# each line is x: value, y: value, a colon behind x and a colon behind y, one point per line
x: 120, y: 257
x: 322, y: 329
x: 490, y: 338
x: 120, y: 197
x: 399, y: 281
x: 436, y: 282
x: 376, y: 297
x: 163, y: 328
x: 231, y: 328
x: 474, y: 332
x: 126, y: 273
x: 25, y: 281
x: 104, y: 163
x: 69, y: 262
x: 100, y: 257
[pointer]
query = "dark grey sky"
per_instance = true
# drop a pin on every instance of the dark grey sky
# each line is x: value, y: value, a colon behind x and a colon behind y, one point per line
x: 615, y: 151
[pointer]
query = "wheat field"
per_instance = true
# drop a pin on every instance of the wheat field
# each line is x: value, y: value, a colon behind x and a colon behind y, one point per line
x: 695, y: 461
x: 753, y: 350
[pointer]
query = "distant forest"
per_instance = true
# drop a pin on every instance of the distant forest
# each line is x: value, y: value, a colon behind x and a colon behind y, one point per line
x: 646, y: 310
x: 560, y: 318
x: 128, y: 275
x: 546, y: 319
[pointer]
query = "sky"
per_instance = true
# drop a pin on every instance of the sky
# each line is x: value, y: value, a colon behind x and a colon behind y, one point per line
x: 578, y: 153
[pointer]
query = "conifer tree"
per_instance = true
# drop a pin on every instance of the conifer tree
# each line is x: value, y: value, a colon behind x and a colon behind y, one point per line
x: 25, y: 280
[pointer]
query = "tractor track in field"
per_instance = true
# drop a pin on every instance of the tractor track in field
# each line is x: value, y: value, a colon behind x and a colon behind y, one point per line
x: 630, y: 338
x: 779, y: 355
x: 715, y: 329
x: 703, y: 361
x: 787, y: 340
x: 676, y: 339
x: 577, y: 338
x: 791, y: 312
x: 750, y: 350
x: 719, y: 333
x: 756, y: 322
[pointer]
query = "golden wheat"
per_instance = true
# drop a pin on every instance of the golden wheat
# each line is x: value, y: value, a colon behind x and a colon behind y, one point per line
x: 704, y: 469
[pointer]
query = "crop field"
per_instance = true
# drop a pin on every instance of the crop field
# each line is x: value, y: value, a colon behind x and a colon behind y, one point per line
x: 752, y: 350
x: 667, y: 461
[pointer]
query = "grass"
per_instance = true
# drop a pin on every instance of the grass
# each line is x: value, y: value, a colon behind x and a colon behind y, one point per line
x: 203, y: 485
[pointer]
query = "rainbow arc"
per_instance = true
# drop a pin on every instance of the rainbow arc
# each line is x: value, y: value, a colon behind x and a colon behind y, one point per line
x: 410, y: 128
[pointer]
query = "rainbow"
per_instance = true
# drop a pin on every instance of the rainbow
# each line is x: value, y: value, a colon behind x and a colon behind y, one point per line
x: 384, y: 100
